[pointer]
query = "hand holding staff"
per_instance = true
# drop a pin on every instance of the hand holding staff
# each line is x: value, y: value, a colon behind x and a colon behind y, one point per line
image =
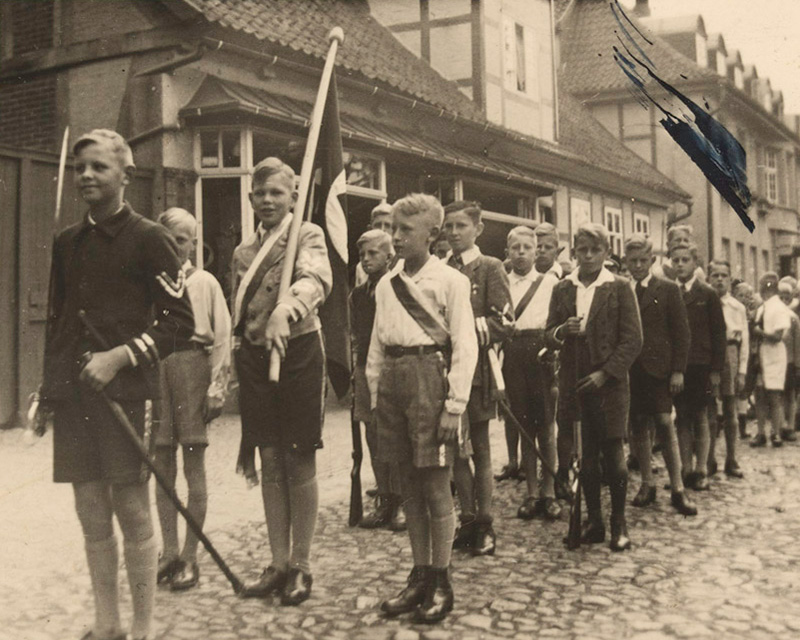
x: 336, y: 37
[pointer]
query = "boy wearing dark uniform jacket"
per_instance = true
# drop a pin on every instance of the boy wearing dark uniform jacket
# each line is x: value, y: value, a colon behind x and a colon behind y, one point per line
x: 284, y: 420
x: 420, y: 365
x: 491, y: 301
x: 657, y: 374
x: 121, y: 271
x: 593, y: 318
x: 376, y: 253
x: 703, y: 370
x: 528, y: 375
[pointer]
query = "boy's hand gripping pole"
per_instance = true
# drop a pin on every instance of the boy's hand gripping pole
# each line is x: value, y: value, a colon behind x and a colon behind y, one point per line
x: 144, y: 454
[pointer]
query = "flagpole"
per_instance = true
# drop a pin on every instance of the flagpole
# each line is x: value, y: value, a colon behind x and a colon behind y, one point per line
x: 335, y: 38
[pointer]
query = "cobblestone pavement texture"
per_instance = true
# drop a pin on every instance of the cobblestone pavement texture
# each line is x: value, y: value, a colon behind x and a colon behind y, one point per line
x: 731, y: 572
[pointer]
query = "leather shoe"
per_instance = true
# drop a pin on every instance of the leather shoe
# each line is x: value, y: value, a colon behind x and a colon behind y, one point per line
x: 509, y: 472
x: 701, y: 483
x: 465, y: 534
x: 530, y: 508
x: 551, y: 508
x: 398, y: 521
x: 485, y: 540
x: 775, y: 440
x: 167, y: 569
x: 297, y: 588
x: 619, y: 536
x: 411, y: 596
x: 759, y: 440
x: 381, y: 516
x: 186, y: 578
x: 690, y: 478
x: 270, y: 581
x: 592, y: 532
x: 733, y: 470
x: 713, y: 467
x: 683, y: 504
x: 645, y: 496
x: 562, y: 483
x: 788, y: 436
x: 438, y: 600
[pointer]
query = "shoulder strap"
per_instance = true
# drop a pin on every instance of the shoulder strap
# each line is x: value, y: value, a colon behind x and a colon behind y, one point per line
x: 431, y: 325
x: 526, y: 299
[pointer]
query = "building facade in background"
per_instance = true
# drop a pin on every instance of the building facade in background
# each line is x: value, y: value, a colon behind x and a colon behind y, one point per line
x: 453, y: 97
x: 712, y: 73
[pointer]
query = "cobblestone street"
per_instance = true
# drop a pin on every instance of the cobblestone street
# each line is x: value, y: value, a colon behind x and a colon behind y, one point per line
x: 731, y: 572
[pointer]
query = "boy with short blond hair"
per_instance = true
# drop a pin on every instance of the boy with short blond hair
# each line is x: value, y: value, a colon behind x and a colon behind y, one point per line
x: 593, y: 319
x: 282, y: 421
x: 376, y: 252
x: 528, y: 372
x: 491, y: 304
x: 703, y: 369
x: 121, y: 273
x: 420, y: 365
x: 193, y: 386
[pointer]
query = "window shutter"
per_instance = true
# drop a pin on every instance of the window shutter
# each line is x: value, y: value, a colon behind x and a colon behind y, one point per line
x: 761, y: 187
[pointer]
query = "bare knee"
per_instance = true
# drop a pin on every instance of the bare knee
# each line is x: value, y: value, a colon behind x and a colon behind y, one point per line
x: 93, y: 506
x: 194, y: 467
x: 301, y: 467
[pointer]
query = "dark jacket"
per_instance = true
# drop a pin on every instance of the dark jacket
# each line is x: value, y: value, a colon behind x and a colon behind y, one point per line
x: 613, y: 329
x: 489, y: 296
x: 665, y: 326
x: 111, y: 271
x: 362, y: 317
x: 707, y: 326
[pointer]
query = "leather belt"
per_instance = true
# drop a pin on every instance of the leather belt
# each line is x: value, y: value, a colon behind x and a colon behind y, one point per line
x: 394, y: 351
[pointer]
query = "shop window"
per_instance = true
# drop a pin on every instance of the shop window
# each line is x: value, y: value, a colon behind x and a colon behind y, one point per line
x: 580, y: 213
x: 494, y: 199
x: 287, y: 148
x: 443, y: 188
x: 363, y: 171
x: 726, y: 250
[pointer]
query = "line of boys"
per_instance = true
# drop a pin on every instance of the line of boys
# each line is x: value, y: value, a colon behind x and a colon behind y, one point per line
x: 426, y: 371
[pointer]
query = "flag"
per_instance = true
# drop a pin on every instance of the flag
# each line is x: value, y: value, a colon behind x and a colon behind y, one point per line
x: 328, y: 211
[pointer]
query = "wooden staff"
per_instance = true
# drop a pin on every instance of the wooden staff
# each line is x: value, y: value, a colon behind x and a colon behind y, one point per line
x: 335, y: 38
x: 37, y: 420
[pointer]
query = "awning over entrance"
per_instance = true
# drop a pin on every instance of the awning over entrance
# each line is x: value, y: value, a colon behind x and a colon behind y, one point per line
x: 216, y: 97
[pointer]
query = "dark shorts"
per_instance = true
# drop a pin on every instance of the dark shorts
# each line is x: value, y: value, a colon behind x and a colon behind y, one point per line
x: 287, y: 415
x: 89, y: 444
x: 411, y: 394
x: 696, y: 393
x: 529, y: 383
x: 361, y: 396
x: 185, y: 377
x: 649, y: 395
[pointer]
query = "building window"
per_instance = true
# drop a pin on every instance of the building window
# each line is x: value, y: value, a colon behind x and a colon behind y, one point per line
x: 771, y: 175
x: 516, y: 75
x: 740, y: 260
x: 753, y: 271
x: 765, y: 260
x: 726, y: 251
x: 641, y: 223
x: 365, y: 174
x: 613, y: 222
x: 220, y: 148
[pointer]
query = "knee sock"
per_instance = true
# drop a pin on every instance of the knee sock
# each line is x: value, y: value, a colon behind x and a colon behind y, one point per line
x: 465, y: 486
x: 102, y: 556
x: 617, y: 470
x: 442, y: 528
x: 167, y: 513
x: 276, y: 511
x: 303, y: 506
x: 702, y: 442
x: 197, y: 504
x: 419, y: 529
x: 141, y: 559
x: 512, y: 443
x: 670, y: 451
x: 591, y: 490
x: 640, y: 447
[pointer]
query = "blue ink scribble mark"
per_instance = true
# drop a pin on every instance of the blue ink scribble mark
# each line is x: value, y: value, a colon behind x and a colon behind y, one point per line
x: 627, y: 33
x: 713, y: 148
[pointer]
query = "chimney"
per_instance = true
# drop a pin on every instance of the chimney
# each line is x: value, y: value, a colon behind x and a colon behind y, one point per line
x: 642, y: 9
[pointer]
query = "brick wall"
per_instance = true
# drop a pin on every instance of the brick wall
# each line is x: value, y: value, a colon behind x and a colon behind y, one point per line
x: 32, y: 25
x: 28, y: 113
